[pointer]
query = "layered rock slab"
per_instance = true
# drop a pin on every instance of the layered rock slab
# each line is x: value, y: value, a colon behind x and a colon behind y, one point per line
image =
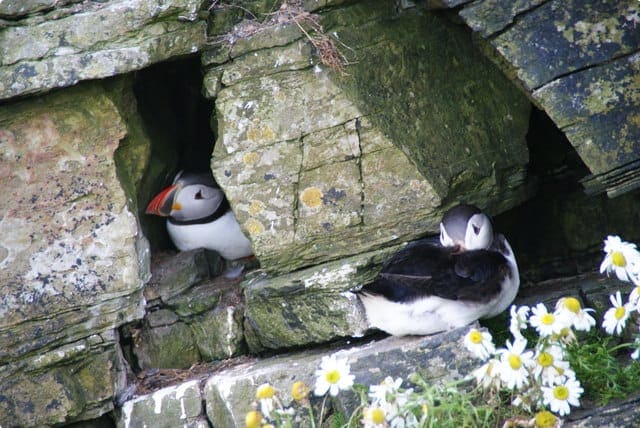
x: 72, y: 263
x: 229, y: 395
x: 92, y: 40
x: 579, y: 62
x: 320, y: 165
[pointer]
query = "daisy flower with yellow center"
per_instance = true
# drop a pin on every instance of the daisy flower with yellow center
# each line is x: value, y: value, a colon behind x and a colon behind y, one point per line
x: 265, y: 395
x: 333, y: 376
x: 545, y: 322
x: 575, y: 316
x: 514, y: 362
x: 373, y: 417
x: 549, y: 364
x: 488, y: 376
x: 253, y: 419
x: 299, y: 391
x: 616, y: 317
x: 622, y: 258
x: 545, y: 419
x: 562, y: 395
x: 479, y: 343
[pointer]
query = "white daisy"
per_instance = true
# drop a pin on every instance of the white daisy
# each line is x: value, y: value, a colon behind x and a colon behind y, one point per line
x: 479, y: 343
x: 373, y: 417
x: 385, y: 390
x: 574, y: 315
x: 558, y: 397
x: 333, y: 376
x: 513, y: 364
x: 549, y: 364
x: 488, y: 376
x: 518, y: 321
x: 388, y: 397
x: 616, y: 317
x: 545, y: 322
x: 622, y: 258
x: 265, y: 395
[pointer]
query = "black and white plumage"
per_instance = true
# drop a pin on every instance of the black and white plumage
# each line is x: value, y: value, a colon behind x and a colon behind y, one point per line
x: 199, y: 216
x: 425, y: 288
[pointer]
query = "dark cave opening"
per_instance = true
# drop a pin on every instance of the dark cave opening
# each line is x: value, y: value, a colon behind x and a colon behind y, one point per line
x: 178, y: 120
x: 559, y: 231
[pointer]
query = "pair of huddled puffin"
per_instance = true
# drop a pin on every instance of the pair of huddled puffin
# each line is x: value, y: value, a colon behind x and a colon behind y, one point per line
x: 426, y: 288
x: 422, y: 289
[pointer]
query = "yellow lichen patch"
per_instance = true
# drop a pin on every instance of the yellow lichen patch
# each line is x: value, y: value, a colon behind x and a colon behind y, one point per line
x: 253, y: 226
x: 250, y: 158
x: 311, y: 197
x: 256, y: 207
x: 260, y: 133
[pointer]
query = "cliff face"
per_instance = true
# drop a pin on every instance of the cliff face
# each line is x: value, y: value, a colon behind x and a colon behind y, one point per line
x: 342, y: 129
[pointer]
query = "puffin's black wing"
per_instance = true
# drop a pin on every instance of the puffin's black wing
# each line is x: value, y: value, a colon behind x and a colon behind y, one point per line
x: 425, y: 270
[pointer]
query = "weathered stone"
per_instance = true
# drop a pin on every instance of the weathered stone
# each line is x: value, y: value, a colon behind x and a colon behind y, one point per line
x: 18, y: 8
x: 74, y: 381
x: 226, y: 15
x: 165, y: 342
x: 70, y: 266
x: 179, y: 405
x: 560, y: 37
x: 620, y: 414
x: 599, y: 111
x: 313, y: 183
x: 490, y: 16
x: 579, y: 61
x: 173, y: 273
x: 103, y: 39
x: 219, y: 333
x: 229, y: 394
x: 313, y: 305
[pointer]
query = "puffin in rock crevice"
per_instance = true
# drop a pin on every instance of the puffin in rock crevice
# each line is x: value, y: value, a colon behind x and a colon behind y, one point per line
x: 199, y: 216
x: 425, y: 288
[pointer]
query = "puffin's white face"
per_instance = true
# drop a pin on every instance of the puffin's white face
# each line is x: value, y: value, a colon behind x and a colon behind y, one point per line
x: 195, y: 201
x: 479, y: 234
x: 445, y: 239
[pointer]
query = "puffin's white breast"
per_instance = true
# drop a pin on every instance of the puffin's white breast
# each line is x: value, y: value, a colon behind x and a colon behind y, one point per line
x: 222, y: 235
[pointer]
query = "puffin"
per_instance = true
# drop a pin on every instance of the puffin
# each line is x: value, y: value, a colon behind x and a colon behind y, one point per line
x: 199, y: 216
x: 427, y: 288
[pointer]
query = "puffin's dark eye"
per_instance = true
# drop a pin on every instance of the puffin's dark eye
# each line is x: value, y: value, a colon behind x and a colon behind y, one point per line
x: 198, y: 195
x: 476, y: 229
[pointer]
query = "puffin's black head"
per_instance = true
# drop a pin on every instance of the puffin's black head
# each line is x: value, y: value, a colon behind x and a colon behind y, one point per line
x: 466, y: 226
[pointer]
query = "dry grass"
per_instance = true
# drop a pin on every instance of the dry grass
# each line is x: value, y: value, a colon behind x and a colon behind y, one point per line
x: 291, y: 11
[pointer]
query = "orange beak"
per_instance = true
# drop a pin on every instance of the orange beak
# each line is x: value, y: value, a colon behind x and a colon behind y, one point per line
x: 162, y: 203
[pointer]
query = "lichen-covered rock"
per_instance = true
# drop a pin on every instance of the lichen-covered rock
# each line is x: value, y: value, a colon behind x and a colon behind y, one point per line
x: 219, y: 332
x: 579, y: 62
x: 365, y: 159
x: 173, y: 406
x: 599, y: 111
x: 70, y: 261
x: 313, y: 305
x: 191, y: 317
x: 174, y: 273
x: 229, y: 395
x: 97, y: 40
x: 165, y: 342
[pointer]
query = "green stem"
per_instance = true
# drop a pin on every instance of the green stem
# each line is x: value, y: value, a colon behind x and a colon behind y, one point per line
x: 313, y: 422
x: 324, y: 401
